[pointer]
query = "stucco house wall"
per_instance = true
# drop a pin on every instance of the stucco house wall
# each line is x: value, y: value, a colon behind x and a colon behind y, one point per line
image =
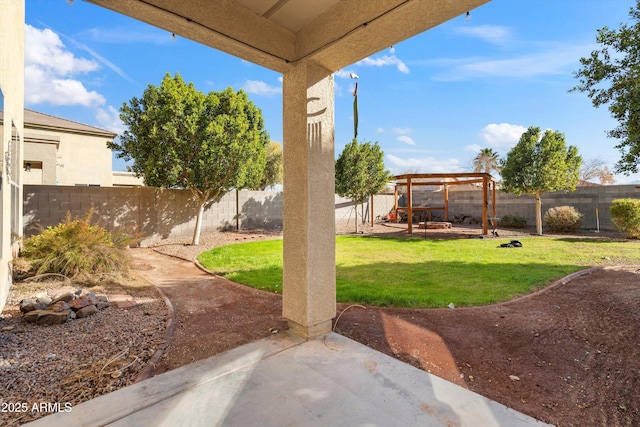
x: 12, y: 103
x: 63, y: 152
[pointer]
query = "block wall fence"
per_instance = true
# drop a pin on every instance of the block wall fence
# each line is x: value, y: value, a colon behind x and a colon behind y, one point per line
x: 159, y: 214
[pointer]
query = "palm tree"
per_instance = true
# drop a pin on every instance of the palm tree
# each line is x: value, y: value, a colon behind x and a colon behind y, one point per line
x: 486, y: 161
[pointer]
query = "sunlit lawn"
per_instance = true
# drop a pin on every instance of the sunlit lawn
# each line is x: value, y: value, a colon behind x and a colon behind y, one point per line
x: 428, y: 273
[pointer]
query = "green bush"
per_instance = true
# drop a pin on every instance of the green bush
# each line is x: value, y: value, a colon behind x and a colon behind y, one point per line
x: 625, y: 214
x: 563, y: 218
x: 513, y: 221
x: 76, y: 247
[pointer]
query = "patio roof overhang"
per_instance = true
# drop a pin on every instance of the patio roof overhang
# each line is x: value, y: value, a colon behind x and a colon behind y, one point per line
x: 280, y: 33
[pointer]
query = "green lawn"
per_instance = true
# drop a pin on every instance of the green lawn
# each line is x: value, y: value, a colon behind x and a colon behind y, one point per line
x: 428, y: 273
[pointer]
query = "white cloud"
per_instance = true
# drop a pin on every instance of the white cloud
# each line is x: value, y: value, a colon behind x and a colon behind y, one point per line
x: 45, y: 49
x: 401, y: 131
x: 423, y: 165
x: 494, y: 34
x: 343, y: 74
x: 406, y: 139
x: 104, y: 61
x: 503, y: 135
x: 384, y: 61
x: 258, y: 87
x: 473, y: 147
x: 109, y: 118
x: 380, y: 130
x: 551, y: 59
x: 50, y: 71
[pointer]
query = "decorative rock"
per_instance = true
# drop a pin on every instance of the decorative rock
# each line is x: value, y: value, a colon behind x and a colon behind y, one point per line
x: 33, y: 315
x: 27, y: 305
x: 92, y: 298
x: 30, y: 304
x: 59, y: 306
x: 53, y: 318
x: 81, y: 302
x: 67, y: 306
x: 86, y: 311
x: 66, y: 297
x: 47, y: 317
x: 43, y: 299
x: 101, y: 305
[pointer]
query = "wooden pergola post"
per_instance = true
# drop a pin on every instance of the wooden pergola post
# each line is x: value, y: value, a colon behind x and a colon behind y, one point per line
x: 409, y: 207
x: 485, y: 206
x: 493, y: 203
x: 395, y: 203
x: 446, y: 203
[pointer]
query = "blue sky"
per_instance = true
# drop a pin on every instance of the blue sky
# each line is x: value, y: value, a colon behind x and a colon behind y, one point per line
x: 431, y: 103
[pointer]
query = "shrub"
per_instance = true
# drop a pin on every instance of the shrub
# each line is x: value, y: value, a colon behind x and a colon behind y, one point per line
x: 625, y: 214
x: 513, y: 221
x: 563, y: 218
x: 76, y: 247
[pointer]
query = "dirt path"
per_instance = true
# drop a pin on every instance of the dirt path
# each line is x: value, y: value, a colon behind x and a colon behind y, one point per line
x: 569, y: 356
x: 212, y: 314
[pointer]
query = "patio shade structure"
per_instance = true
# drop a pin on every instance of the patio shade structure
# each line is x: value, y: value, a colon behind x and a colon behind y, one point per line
x: 307, y: 41
x: 445, y: 180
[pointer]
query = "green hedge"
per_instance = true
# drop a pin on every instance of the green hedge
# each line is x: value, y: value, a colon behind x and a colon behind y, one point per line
x: 625, y: 214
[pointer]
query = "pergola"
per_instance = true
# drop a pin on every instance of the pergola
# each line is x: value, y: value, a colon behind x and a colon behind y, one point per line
x: 445, y: 180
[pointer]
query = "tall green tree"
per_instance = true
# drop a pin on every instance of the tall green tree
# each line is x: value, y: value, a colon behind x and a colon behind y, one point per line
x: 538, y: 165
x: 610, y: 76
x: 272, y: 174
x: 360, y: 172
x: 486, y: 161
x: 179, y: 137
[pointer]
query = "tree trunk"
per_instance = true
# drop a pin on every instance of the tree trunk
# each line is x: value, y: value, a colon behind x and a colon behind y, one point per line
x: 196, y: 231
x: 355, y: 210
x: 538, y: 214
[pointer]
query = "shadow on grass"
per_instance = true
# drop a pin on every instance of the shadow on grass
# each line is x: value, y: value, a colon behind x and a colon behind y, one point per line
x: 424, y: 285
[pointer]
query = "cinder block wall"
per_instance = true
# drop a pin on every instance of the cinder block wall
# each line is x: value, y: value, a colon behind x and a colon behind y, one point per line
x: 154, y: 213
x: 159, y: 214
x: 346, y: 215
x: 584, y: 199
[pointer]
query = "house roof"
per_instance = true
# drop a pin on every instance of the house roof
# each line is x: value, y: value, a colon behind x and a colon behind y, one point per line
x: 36, y: 120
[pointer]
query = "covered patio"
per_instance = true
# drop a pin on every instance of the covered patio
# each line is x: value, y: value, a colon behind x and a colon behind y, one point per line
x: 309, y: 376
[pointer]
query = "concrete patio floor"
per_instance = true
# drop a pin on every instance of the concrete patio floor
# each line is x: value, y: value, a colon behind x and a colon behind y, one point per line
x: 286, y: 381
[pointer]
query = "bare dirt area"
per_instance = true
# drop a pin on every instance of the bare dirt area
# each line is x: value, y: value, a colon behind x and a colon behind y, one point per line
x: 568, y: 355
x: 51, y: 368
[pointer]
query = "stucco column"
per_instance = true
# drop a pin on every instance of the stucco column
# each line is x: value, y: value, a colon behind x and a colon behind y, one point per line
x: 309, y: 279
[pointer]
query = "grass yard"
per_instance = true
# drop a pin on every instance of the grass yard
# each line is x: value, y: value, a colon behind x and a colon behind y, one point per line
x: 428, y: 273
